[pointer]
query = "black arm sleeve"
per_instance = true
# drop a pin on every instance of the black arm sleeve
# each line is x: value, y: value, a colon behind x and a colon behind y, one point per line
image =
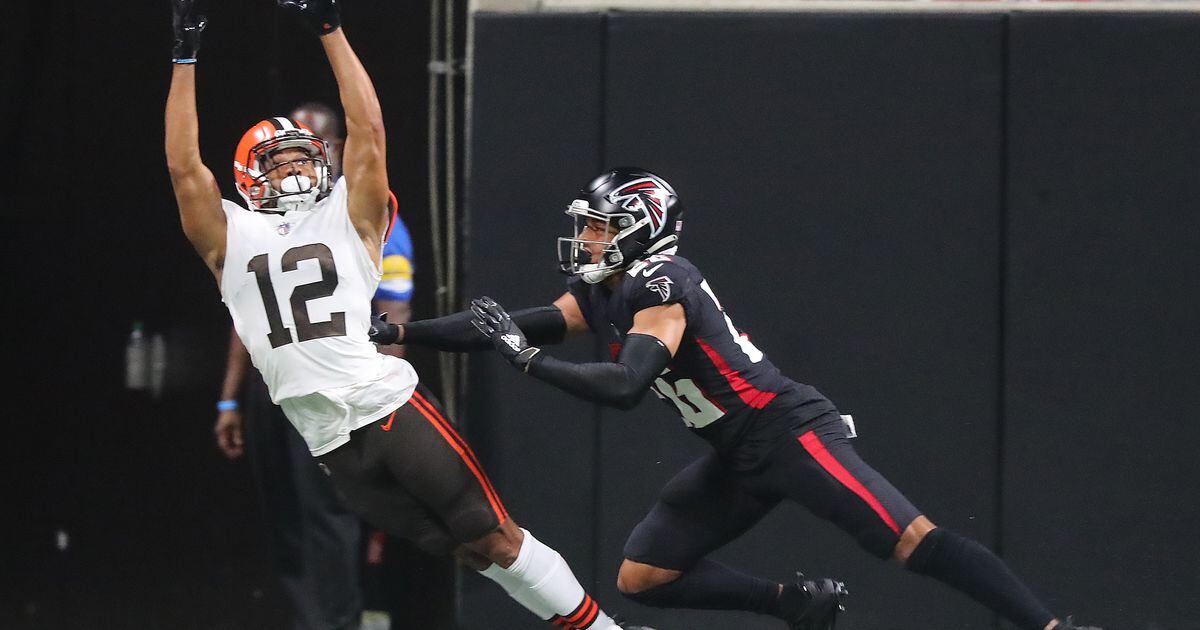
x: 621, y: 384
x: 454, y: 333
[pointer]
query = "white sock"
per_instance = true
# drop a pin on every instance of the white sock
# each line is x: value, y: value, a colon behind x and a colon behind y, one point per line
x: 541, y: 581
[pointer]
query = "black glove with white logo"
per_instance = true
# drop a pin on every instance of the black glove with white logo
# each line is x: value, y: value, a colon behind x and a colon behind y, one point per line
x: 187, y: 23
x: 321, y: 16
x: 381, y: 331
x: 494, y: 322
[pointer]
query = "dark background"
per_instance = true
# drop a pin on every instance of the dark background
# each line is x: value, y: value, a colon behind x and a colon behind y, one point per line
x: 976, y: 233
x: 164, y: 532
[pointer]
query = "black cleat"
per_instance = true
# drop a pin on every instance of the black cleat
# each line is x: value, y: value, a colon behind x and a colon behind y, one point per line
x: 824, y: 602
x: 1069, y: 624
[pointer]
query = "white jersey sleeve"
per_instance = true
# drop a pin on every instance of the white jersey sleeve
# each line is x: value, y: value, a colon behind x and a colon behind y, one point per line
x: 298, y: 287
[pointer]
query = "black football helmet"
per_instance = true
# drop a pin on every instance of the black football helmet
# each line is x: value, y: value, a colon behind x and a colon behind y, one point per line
x: 640, y: 205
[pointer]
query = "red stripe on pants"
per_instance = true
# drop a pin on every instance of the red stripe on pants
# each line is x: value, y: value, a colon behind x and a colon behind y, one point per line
x: 464, y: 452
x: 813, y: 445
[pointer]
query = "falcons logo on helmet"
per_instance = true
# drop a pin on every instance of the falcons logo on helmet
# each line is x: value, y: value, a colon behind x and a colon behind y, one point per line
x: 646, y: 195
x: 662, y: 286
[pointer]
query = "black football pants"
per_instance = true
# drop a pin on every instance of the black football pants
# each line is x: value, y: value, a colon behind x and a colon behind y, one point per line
x: 709, y: 503
x: 413, y: 476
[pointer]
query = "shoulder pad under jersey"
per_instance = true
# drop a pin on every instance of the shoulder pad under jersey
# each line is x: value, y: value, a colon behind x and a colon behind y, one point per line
x: 659, y: 280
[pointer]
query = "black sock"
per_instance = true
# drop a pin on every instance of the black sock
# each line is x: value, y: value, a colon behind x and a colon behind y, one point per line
x: 713, y: 586
x: 971, y: 568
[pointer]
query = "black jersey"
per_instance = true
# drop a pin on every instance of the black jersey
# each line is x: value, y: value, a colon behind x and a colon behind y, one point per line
x: 720, y: 384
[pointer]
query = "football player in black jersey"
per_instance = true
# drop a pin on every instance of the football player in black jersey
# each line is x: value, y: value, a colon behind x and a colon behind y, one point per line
x: 773, y: 438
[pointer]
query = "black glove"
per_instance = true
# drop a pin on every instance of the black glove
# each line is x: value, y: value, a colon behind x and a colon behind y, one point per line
x: 187, y: 22
x: 321, y: 16
x: 382, y: 331
x: 493, y: 321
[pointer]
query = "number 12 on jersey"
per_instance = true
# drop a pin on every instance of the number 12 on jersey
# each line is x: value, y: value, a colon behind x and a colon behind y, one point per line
x: 290, y: 261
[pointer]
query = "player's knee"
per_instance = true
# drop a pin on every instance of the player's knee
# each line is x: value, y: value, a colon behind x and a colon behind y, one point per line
x: 943, y: 552
x: 435, y: 544
x: 470, y: 559
x: 502, y: 551
x: 911, y: 538
x: 634, y: 579
x: 501, y: 546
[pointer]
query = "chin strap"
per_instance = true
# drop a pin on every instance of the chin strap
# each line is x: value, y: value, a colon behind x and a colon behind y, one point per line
x: 298, y: 202
x: 666, y: 246
x: 596, y: 277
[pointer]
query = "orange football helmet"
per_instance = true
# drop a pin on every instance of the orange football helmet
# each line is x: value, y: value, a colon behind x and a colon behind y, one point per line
x: 251, y: 161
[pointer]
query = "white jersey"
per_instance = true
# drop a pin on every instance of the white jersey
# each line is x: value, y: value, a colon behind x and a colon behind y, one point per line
x: 299, y: 288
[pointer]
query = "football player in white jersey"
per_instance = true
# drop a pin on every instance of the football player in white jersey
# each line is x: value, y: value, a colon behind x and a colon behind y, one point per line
x: 297, y: 266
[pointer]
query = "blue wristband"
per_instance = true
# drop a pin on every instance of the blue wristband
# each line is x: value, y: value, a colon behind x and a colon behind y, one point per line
x: 227, y: 405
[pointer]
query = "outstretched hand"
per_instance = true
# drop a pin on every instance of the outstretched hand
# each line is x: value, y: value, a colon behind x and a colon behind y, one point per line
x: 187, y: 23
x: 321, y: 16
x: 381, y: 331
x: 494, y: 322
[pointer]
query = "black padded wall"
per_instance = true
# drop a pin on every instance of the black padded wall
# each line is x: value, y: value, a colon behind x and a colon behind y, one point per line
x: 839, y: 171
x: 537, y: 104
x: 841, y: 177
x: 1101, y: 343
x: 976, y: 233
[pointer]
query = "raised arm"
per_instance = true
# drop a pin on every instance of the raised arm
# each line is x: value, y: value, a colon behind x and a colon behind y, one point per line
x: 364, y: 158
x: 196, y: 190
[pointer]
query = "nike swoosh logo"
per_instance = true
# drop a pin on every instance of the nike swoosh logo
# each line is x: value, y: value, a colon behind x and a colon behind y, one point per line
x: 388, y: 425
x: 652, y: 270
